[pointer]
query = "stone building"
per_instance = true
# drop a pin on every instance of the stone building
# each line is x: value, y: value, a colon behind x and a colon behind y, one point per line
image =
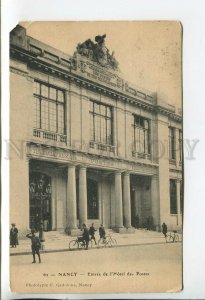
x: 86, y: 145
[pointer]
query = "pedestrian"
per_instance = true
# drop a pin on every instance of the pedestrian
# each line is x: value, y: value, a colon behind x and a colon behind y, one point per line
x: 13, y: 235
x: 86, y: 236
x: 92, y: 232
x: 102, y: 232
x: 35, y: 245
x: 164, y: 229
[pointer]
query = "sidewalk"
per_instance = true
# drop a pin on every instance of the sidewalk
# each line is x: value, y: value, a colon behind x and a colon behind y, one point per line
x: 59, y: 242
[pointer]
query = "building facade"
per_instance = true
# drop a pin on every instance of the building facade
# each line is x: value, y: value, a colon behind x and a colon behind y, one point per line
x: 86, y: 146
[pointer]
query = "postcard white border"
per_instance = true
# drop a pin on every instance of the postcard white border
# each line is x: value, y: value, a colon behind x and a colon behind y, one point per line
x: 191, y: 15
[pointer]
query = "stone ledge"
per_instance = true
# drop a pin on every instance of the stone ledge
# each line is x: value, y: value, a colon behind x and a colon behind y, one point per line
x: 124, y: 230
x: 74, y: 232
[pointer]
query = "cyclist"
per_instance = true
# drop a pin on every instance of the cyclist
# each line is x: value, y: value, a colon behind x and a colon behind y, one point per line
x: 85, y: 236
x: 92, y: 232
x: 102, y: 232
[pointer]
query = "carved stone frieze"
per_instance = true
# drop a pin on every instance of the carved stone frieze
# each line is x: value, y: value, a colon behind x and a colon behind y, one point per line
x: 65, y: 155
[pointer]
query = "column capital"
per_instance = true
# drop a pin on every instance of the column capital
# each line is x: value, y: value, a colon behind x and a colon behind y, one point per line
x: 179, y: 180
x: 126, y: 173
x: 72, y: 165
x: 118, y: 172
x: 82, y: 167
x: 155, y: 176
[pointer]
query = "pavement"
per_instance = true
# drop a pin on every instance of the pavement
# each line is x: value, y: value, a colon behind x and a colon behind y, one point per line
x: 59, y: 241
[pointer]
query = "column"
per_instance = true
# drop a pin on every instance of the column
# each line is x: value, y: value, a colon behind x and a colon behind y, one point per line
x: 71, y: 198
x: 100, y: 202
x: 82, y: 196
x: 118, y: 201
x: 126, y: 200
x: 178, y: 204
x: 138, y: 214
x: 155, y: 201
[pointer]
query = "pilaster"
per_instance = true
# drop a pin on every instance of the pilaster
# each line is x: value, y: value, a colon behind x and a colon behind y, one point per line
x: 126, y: 200
x: 82, y: 196
x: 71, y: 199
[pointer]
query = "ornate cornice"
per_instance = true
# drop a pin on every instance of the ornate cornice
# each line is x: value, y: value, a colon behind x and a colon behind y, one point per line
x: 56, y: 68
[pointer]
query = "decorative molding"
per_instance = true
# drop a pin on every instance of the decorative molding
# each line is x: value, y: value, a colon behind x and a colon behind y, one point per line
x: 65, y: 155
x: 178, y: 171
x: 57, y: 69
x: 19, y: 72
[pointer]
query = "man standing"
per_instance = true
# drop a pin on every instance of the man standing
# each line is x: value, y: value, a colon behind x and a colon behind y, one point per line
x: 35, y: 245
x: 164, y: 229
x: 92, y: 232
x: 13, y: 235
x: 86, y: 236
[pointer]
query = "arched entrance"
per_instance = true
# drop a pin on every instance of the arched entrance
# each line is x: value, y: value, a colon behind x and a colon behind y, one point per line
x: 40, y: 200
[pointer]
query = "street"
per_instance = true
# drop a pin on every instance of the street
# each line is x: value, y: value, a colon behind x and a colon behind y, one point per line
x: 140, y: 268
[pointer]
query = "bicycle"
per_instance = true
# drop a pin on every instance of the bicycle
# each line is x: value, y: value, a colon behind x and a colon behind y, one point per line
x: 107, y: 241
x: 79, y: 243
x: 172, y: 237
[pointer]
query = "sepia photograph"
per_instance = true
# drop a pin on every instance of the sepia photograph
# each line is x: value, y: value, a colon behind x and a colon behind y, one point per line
x: 96, y: 159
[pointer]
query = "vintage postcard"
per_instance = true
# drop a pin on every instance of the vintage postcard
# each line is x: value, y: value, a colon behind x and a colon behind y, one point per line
x: 96, y: 162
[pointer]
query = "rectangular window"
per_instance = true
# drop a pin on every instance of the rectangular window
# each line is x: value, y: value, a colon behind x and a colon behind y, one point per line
x: 141, y: 135
x: 181, y: 198
x: 172, y: 143
x: 173, y: 196
x: 101, y: 123
x: 49, y: 108
x: 180, y: 145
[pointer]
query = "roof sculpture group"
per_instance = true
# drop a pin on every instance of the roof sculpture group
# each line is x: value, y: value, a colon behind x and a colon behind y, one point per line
x: 97, y: 52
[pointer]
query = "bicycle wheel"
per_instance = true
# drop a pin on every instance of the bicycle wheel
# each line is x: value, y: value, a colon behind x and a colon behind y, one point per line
x: 113, y: 242
x: 101, y: 243
x: 109, y: 243
x: 169, y: 238
x: 176, y: 238
x: 73, y: 245
x: 91, y: 243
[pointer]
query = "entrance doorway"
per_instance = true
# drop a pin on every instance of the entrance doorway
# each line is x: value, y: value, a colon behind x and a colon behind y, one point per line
x: 141, y: 210
x: 92, y: 198
x: 134, y: 212
x: 40, y: 200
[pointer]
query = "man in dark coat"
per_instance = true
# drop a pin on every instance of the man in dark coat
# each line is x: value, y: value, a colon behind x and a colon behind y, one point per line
x: 164, y: 229
x: 102, y: 232
x: 13, y: 235
x: 92, y: 232
x: 35, y: 245
x: 86, y: 236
